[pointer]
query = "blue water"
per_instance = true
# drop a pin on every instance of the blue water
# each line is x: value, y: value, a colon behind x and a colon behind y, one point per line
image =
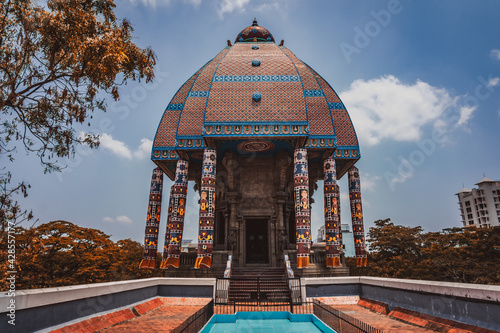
x: 265, y: 322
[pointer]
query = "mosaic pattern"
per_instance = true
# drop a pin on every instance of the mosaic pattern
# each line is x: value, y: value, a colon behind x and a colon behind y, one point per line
x: 258, y: 78
x: 254, y: 33
x: 238, y: 60
x: 320, y: 142
x: 152, y: 221
x: 320, y: 120
x: 256, y: 146
x: 167, y: 230
x: 308, y: 79
x: 357, y: 217
x: 256, y: 130
x: 218, y: 101
x: 191, y: 118
x: 346, y: 153
x: 179, y: 193
x: 302, y: 207
x: 332, y: 214
x: 207, y: 209
x: 346, y: 135
x: 198, y: 94
x: 232, y: 102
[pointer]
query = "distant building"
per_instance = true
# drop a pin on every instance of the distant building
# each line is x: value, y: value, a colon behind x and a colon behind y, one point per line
x: 347, y: 239
x: 480, y: 207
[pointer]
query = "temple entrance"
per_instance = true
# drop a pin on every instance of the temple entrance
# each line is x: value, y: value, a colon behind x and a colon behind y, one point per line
x: 257, y: 241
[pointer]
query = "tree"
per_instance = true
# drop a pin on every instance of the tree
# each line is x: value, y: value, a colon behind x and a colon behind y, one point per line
x: 57, y: 64
x: 60, y: 253
x: 456, y: 254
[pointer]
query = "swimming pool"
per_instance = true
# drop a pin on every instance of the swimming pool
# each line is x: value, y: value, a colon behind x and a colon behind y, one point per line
x: 264, y: 322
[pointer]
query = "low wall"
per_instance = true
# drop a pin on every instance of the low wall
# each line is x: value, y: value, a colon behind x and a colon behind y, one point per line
x: 37, y: 309
x: 41, y: 308
x: 473, y: 304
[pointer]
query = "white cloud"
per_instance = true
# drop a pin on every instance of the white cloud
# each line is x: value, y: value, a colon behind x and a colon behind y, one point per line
x: 123, y: 219
x: 119, y: 219
x: 495, y: 54
x: 144, y: 149
x: 120, y: 148
x: 388, y: 109
x: 493, y: 82
x: 229, y: 6
x: 368, y: 182
x: 465, y: 115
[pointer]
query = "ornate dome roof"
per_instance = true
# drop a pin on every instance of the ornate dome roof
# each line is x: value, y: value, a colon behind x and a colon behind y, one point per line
x: 256, y: 90
x: 254, y: 33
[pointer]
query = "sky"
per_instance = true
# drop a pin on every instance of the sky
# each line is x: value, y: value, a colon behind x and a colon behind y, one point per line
x: 420, y: 80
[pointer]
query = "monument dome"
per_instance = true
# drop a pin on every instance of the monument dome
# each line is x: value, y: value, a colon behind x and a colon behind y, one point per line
x: 271, y: 126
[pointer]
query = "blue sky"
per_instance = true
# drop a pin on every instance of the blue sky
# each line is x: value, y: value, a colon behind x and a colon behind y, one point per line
x: 420, y: 80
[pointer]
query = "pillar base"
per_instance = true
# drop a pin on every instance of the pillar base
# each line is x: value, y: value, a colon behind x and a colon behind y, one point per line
x: 203, y: 262
x: 333, y: 262
x: 172, y: 262
x: 147, y: 264
x: 302, y: 262
x: 361, y: 262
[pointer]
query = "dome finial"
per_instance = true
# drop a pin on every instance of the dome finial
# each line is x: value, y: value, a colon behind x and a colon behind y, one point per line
x: 254, y: 24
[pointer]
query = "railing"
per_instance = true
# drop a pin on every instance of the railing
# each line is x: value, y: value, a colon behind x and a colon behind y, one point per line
x: 187, y: 259
x: 339, y: 321
x: 276, y: 293
x: 197, y: 321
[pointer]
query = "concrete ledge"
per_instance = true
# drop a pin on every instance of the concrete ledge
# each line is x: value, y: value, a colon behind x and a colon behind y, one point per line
x: 464, y: 290
x: 373, y: 305
x: 26, y: 299
x: 435, y: 323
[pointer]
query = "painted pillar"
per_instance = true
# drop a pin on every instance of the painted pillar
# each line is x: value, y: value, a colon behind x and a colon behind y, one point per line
x: 179, y: 193
x: 357, y: 217
x: 167, y: 231
x: 207, y: 209
x: 152, y: 221
x: 332, y: 214
x: 302, y: 209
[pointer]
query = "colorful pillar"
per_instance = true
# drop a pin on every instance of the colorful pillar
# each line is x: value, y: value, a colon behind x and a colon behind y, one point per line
x: 357, y: 217
x: 332, y: 214
x: 302, y: 209
x: 152, y: 221
x: 207, y: 209
x: 179, y: 193
x: 167, y: 231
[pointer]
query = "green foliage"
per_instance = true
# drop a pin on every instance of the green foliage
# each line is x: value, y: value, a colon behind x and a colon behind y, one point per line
x: 59, y: 59
x: 60, y: 253
x: 456, y: 255
x: 54, y: 62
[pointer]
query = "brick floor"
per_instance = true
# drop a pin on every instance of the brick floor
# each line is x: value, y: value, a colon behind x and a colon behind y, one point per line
x: 377, y: 320
x: 162, y: 319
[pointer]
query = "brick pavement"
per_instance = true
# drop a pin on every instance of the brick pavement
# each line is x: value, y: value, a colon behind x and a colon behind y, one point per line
x: 162, y: 319
x: 377, y: 320
x: 156, y: 315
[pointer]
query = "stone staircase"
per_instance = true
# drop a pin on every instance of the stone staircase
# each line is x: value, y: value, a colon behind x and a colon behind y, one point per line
x: 259, y: 284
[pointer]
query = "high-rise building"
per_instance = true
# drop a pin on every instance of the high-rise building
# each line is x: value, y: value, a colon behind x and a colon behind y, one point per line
x: 347, y: 239
x: 480, y: 207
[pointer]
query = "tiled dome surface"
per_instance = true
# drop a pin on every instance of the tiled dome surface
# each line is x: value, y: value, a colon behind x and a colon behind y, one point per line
x: 222, y: 93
